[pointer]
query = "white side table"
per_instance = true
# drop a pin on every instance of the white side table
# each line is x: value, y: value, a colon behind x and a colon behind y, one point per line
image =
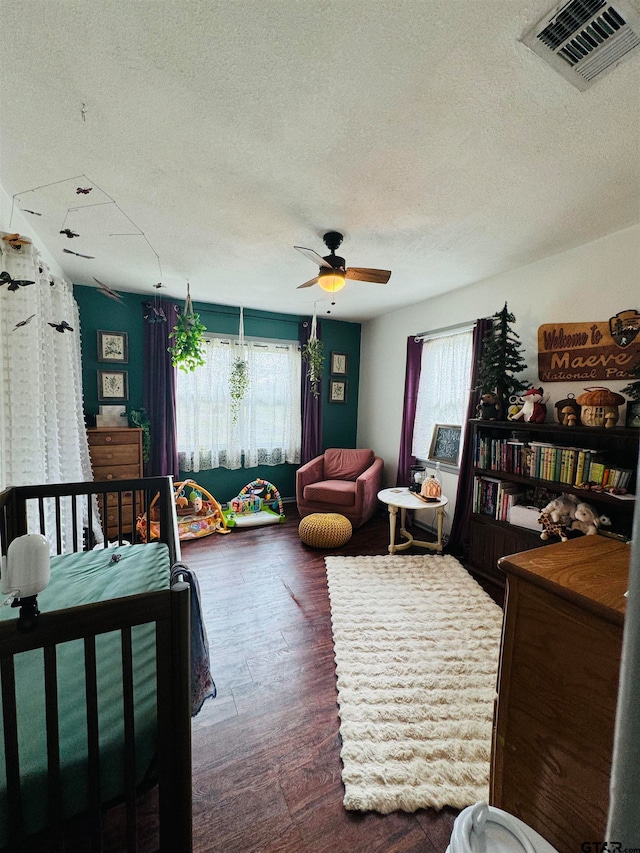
x: 403, y: 500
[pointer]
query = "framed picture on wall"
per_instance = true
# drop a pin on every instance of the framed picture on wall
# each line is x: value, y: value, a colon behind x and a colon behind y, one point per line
x: 113, y: 346
x: 113, y: 385
x: 338, y: 391
x: 445, y: 444
x: 633, y: 414
x: 338, y: 364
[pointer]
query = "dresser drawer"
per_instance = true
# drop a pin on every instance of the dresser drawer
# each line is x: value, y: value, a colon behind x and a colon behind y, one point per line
x: 117, y: 454
x: 116, y: 472
x: 108, y: 437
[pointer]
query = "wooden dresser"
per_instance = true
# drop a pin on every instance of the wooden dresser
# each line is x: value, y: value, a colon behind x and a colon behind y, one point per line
x: 116, y: 454
x: 557, y: 687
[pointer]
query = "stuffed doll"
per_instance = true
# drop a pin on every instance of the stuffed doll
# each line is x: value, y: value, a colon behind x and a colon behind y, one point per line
x: 534, y: 408
x: 587, y: 521
x: 489, y: 407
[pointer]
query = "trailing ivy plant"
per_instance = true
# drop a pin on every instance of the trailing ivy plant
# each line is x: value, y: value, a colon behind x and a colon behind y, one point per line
x: 138, y: 418
x: 238, y: 384
x: 312, y: 355
x: 187, y: 350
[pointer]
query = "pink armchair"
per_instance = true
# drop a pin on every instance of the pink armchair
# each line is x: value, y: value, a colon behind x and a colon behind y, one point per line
x: 345, y: 481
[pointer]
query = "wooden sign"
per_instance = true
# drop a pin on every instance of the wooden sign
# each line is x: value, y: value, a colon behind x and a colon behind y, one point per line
x: 572, y: 352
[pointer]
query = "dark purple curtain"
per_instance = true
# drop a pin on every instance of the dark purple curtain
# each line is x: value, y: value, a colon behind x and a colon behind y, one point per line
x: 311, y: 406
x: 458, y: 543
x: 411, y: 382
x: 159, y: 389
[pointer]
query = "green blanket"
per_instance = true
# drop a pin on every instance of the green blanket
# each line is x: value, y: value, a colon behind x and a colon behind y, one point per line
x: 81, y: 579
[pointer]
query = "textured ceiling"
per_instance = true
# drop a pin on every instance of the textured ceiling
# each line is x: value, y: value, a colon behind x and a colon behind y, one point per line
x: 221, y: 133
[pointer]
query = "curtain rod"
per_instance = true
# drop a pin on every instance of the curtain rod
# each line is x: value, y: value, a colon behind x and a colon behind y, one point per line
x: 445, y: 330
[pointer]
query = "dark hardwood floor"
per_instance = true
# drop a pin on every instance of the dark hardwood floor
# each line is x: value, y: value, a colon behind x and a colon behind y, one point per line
x: 266, y: 750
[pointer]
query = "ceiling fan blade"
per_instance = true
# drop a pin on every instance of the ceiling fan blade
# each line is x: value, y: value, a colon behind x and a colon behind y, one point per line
x: 313, y: 256
x: 364, y: 274
x: 309, y: 283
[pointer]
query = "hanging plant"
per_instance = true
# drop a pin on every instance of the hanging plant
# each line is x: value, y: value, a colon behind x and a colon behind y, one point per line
x: 312, y: 355
x: 239, y: 376
x: 238, y: 384
x: 187, y: 350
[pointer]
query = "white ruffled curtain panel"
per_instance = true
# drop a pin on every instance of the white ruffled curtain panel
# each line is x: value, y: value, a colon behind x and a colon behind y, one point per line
x: 42, y: 430
x: 443, y: 392
x: 267, y: 430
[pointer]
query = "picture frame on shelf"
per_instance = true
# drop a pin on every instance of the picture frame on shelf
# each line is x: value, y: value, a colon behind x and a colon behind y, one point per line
x: 338, y: 391
x: 113, y: 385
x: 633, y: 414
x: 113, y: 346
x: 445, y: 444
x: 339, y: 362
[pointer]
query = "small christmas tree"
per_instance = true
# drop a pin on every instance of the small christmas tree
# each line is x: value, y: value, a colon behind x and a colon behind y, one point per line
x: 501, y: 358
x: 633, y: 388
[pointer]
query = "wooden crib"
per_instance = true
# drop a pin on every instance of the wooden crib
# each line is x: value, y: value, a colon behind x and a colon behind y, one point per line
x: 69, y: 750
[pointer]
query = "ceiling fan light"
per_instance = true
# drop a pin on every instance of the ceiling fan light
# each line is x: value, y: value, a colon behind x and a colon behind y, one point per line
x: 331, y: 281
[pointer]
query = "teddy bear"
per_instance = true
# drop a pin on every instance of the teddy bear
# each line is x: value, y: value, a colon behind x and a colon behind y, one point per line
x: 534, y: 409
x: 489, y: 407
x: 587, y: 521
x: 557, y: 516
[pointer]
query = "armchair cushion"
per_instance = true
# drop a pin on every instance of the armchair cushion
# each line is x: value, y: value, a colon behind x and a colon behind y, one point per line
x: 346, y: 464
x: 339, y: 492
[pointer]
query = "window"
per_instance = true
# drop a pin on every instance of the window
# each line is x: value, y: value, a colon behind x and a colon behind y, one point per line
x: 267, y: 429
x: 443, y: 392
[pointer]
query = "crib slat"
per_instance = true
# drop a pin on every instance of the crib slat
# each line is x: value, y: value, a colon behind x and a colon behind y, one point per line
x: 14, y: 816
x: 129, y: 740
x: 74, y: 520
x: 93, y: 745
x: 41, y: 516
x: 58, y: 525
x: 53, y: 743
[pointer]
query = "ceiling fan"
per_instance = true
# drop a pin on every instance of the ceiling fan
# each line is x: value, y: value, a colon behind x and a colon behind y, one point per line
x: 333, y: 273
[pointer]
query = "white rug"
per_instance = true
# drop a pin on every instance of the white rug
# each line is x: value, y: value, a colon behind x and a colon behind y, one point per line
x: 416, y: 644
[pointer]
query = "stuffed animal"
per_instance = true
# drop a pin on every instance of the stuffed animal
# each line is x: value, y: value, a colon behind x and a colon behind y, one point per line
x: 489, y: 407
x: 557, y: 516
x: 587, y: 521
x: 562, y: 508
x: 551, y: 527
x: 534, y: 409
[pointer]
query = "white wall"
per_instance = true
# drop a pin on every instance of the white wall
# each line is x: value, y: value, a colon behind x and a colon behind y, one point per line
x: 590, y: 283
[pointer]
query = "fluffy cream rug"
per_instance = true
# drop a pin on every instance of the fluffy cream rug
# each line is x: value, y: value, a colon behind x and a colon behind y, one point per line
x: 416, y: 644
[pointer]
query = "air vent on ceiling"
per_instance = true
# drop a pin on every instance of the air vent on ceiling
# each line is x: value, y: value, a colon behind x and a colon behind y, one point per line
x: 585, y: 39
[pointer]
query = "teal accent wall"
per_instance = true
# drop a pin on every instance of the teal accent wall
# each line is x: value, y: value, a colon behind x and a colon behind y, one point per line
x: 339, y: 420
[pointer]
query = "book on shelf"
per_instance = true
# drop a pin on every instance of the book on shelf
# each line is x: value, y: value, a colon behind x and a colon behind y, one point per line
x: 544, y: 460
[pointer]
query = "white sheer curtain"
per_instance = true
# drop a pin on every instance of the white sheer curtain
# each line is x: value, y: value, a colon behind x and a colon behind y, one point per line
x: 42, y: 430
x: 267, y: 430
x: 443, y: 392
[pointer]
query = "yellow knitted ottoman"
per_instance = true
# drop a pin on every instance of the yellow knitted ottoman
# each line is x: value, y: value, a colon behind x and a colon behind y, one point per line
x: 325, y: 530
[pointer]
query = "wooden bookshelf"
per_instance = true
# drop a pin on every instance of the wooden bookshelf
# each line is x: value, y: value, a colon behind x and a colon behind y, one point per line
x: 492, y: 538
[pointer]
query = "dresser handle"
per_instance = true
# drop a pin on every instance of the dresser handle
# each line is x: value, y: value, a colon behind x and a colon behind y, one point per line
x: 107, y: 438
x: 109, y: 476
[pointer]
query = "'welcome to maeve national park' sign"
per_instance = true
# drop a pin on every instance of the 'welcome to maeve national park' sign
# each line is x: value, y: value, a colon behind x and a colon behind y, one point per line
x: 585, y: 351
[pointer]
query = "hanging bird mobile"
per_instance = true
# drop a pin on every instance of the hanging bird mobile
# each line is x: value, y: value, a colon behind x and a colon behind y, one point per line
x: 107, y: 291
x: 33, y: 212
x: 78, y: 255
x: 14, y: 284
x: 83, y: 190
x: 69, y: 233
x: 23, y: 322
x: 16, y: 241
x: 61, y: 327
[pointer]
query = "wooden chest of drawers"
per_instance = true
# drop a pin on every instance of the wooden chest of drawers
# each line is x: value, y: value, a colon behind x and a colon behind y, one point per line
x: 116, y: 454
x: 558, y: 684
